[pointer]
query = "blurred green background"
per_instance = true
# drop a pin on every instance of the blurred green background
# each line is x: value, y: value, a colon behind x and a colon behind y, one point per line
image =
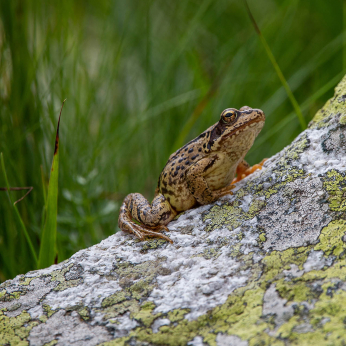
x: 142, y: 78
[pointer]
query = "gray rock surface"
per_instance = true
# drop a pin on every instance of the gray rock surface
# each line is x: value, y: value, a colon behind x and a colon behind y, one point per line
x: 264, y: 266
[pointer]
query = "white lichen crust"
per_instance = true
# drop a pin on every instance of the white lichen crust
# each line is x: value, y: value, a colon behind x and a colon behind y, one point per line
x: 264, y: 266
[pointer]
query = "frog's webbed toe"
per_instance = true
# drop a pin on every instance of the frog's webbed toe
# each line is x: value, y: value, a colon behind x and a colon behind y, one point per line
x: 141, y: 231
x: 154, y: 232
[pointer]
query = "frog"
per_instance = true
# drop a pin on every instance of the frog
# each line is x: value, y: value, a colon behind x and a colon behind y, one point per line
x: 199, y: 173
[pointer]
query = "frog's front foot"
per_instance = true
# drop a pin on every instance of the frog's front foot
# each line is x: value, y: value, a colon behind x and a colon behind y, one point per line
x: 244, y: 169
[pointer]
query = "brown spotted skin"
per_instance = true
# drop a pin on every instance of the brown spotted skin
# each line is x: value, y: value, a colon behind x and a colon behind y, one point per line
x: 198, y: 173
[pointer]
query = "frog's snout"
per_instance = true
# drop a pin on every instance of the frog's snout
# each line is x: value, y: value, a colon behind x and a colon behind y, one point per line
x: 259, y: 113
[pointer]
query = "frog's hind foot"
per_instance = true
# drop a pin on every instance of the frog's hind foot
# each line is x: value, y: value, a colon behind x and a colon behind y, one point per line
x: 142, y: 232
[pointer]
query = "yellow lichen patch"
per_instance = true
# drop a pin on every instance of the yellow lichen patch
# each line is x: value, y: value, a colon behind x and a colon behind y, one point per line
x: 26, y: 281
x: 116, y: 310
x: 15, y: 330
x: 135, y: 289
x: 277, y: 261
x: 295, y: 291
x: 59, y: 276
x: 342, y: 119
x: 336, y: 104
x: 231, y: 216
x: 145, y: 315
x: 331, y: 238
x: 84, y: 313
x: 210, y: 253
x: 115, y: 342
x: 8, y: 297
x: 327, y: 319
x: 240, y: 315
x: 153, y: 244
x: 262, y: 237
x: 336, y: 271
x: 115, y: 298
x: 52, y: 343
x: 221, y: 216
x: 177, y: 315
x: 43, y: 318
x: 48, y: 310
x: 335, y: 184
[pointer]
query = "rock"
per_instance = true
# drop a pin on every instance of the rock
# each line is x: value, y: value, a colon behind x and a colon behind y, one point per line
x: 265, y: 266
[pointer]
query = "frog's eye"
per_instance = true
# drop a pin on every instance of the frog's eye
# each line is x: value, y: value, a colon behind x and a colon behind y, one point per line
x: 229, y: 117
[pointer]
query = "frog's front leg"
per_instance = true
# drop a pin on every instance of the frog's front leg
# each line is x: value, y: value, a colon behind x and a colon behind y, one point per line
x: 152, y: 217
x: 244, y: 169
x: 197, y: 184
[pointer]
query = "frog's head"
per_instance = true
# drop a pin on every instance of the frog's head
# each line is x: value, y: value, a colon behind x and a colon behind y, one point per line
x: 236, y: 125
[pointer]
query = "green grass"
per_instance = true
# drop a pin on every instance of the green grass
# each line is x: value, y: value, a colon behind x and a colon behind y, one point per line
x: 141, y: 78
x: 48, y: 248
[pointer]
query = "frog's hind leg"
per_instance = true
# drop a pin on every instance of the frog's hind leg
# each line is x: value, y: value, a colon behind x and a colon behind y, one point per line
x: 152, y: 217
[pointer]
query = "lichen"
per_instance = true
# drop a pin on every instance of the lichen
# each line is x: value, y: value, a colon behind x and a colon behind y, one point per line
x: 177, y: 314
x: 144, y: 314
x: 8, y: 297
x: 335, y: 105
x: 137, y: 283
x: 153, y: 244
x: 48, y: 310
x: 115, y: 298
x: 15, y: 330
x: 59, y: 276
x: 231, y: 215
x: 52, y: 343
x: 331, y: 241
x: 24, y: 281
x: 334, y: 183
x: 342, y: 119
x: 223, y: 216
x: 262, y: 237
x: 210, y: 253
x: 327, y: 317
x: 280, y: 260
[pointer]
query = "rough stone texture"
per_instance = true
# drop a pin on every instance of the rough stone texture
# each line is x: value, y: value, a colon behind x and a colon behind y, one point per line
x: 265, y: 266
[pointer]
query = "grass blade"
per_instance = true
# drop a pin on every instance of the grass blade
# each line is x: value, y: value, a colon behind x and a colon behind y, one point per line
x: 305, y: 105
x: 278, y: 70
x: 48, y: 240
x: 17, y: 212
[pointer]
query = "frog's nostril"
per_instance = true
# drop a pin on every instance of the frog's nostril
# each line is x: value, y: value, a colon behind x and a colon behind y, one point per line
x: 260, y: 112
